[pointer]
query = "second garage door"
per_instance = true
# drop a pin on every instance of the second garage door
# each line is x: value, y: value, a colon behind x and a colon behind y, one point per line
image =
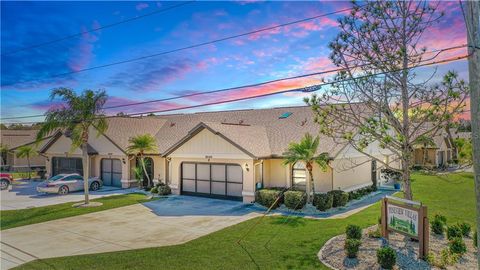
x: 212, y: 180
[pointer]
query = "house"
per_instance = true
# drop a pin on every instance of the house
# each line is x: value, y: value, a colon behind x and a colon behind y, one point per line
x: 223, y: 154
x: 439, y: 154
x: 12, y: 139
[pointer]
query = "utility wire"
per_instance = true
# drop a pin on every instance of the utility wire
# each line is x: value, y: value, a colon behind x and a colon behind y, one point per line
x: 302, y: 89
x: 97, y: 29
x: 185, y: 48
x: 231, y: 88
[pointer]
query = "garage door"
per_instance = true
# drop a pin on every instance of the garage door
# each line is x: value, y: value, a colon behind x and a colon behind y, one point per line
x: 215, y: 180
x: 111, y: 172
x: 66, y: 165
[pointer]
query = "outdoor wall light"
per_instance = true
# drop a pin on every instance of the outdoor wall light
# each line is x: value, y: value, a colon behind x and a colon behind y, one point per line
x: 246, y: 167
x: 123, y: 161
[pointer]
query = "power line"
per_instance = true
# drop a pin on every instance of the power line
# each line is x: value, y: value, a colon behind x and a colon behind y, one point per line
x: 98, y: 28
x: 186, y: 47
x: 317, y: 87
x: 237, y: 87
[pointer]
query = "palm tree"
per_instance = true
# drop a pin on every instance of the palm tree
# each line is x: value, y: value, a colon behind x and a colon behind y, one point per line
x: 74, y: 119
x: 305, y: 151
x: 3, y: 153
x: 27, y: 151
x: 139, y: 146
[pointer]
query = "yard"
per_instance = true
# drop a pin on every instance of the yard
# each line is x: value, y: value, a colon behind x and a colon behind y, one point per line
x: 14, y: 218
x: 275, y: 242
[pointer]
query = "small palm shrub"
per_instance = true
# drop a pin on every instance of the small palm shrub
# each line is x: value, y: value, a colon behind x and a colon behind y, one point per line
x: 323, y: 201
x: 457, y: 246
x: 268, y: 197
x: 340, y: 198
x: 454, y: 231
x: 353, y: 232
x: 465, y: 228
x: 295, y: 199
x: 351, y: 247
x: 386, y: 257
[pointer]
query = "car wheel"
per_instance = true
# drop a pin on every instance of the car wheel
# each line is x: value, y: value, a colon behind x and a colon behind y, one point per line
x: 4, y: 184
x: 63, y: 190
x: 94, y: 186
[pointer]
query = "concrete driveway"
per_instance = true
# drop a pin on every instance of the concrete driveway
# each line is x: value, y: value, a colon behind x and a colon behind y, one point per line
x: 23, y: 194
x: 170, y: 221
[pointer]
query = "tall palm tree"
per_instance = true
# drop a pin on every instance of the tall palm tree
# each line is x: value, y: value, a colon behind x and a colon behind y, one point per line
x: 141, y: 145
x: 3, y: 153
x: 27, y: 151
x: 305, y: 151
x: 75, y: 118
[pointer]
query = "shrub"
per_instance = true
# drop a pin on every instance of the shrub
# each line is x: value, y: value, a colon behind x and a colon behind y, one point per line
x: 268, y: 197
x: 475, y: 239
x: 295, y: 199
x: 323, y: 201
x: 437, y: 226
x: 163, y: 189
x: 351, y: 247
x: 340, y: 198
x: 457, y: 246
x: 453, y: 231
x: 465, y: 228
x: 154, y: 190
x: 441, y: 218
x: 377, y: 233
x: 386, y: 257
x: 353, y: 232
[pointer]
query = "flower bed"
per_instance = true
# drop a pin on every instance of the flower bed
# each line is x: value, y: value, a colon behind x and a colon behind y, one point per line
x: 333, y: 253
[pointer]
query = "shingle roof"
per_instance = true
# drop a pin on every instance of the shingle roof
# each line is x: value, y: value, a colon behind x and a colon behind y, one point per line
x: 14, y: 138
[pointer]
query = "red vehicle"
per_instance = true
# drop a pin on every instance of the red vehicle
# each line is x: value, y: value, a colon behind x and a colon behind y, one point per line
x: 5, y: 180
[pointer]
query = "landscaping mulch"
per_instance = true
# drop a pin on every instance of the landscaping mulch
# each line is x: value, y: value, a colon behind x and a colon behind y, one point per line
x: 333, y: 255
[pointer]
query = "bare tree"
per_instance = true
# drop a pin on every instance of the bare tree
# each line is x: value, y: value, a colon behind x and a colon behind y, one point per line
x: 378, y: 49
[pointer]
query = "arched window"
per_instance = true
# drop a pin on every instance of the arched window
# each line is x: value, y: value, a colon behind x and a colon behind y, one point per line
x: 299, y: 175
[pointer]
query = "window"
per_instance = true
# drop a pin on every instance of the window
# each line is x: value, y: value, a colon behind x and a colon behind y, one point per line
x: 299, y: 175
x: 73, y: 177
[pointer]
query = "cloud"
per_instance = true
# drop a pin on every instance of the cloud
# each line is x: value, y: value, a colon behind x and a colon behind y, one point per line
x: 141, y: 6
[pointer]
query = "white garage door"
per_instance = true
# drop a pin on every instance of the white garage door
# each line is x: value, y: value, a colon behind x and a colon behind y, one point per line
x: 212, y: 180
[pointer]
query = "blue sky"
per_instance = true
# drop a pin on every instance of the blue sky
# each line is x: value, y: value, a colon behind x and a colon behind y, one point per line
x: 278, y: 53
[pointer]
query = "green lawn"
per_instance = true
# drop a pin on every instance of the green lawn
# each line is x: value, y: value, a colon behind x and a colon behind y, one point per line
x: 15, y: 218
x: 294, y: 242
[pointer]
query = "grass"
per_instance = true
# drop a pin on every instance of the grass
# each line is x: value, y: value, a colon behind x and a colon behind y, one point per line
x: 15, y: 218
x: 276, y: 242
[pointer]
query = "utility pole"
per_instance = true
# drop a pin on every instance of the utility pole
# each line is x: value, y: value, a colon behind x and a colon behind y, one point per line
x: 472, y: 21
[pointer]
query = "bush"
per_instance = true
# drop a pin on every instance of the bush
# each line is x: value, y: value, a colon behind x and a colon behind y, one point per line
x: 163, y: 189
x: 377, y: 233
x: 454, y: 231
x: 323, y: 201
x: 340, y: 198
x: 441, y: 218
x: 154, y: 190
x: 353, y: 232
x: 267, y: 197
x: 437, y: 226
x: 351, y: 247
x: 386, y: 257
x: 295, y: 199
x: 457, y: 246
x: 465, y: 228
x: 475, y: 239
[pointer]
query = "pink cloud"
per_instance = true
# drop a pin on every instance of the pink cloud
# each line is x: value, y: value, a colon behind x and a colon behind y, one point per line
x: 141, y: 6
x: 82, y: 54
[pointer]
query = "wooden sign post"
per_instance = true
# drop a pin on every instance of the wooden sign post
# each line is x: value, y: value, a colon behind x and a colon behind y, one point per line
x: 408, y: 218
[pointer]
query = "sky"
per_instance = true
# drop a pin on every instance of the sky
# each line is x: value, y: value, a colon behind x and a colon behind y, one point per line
x: 27, y: 76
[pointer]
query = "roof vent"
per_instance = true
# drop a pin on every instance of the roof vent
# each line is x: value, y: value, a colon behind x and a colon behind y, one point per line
x: 303, y: 122
x: 172, y: 124
x: 285, y: 115
x: 240, y: 122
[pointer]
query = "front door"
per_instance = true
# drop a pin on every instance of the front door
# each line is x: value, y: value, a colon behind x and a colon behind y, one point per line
x: 215, y: 180
x: 111, y: 172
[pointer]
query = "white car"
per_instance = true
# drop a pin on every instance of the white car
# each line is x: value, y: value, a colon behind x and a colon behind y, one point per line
x: 65, y: 183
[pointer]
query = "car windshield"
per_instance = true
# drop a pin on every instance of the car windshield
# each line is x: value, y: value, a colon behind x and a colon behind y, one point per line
x: 56, y: 177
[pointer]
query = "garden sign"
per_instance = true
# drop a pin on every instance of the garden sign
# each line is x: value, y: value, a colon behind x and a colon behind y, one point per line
x: 408, y: 218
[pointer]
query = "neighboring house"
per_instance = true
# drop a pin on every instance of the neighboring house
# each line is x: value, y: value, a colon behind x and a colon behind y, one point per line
x: 440, y: 154
x: 12, y: 139
x: 217, y: 154
x: 462, y: 135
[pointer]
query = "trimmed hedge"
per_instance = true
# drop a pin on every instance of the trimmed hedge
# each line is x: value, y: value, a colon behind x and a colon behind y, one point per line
x: 340, y: 197
x: 359, y: 193
x: 386, y: 257
x: 294, y: 199
x: 267, y: 197
x: 323, y: 201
